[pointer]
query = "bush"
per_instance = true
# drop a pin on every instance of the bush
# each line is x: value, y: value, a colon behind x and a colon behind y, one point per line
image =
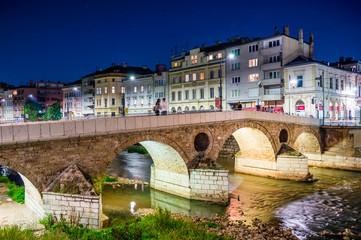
x: 4, y: 179
x: 110, y: 179
x: 17, y: 193
x: 137, y: 149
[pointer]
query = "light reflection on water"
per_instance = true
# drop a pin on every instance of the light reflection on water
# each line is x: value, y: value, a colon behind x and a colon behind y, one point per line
x: 333, y: 203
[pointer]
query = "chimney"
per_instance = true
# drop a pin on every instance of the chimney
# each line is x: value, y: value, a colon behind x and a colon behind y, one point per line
x: 218, y: 42
x: 300, y: 42
x: 311, y: 49
x: 342, y: 59
x: 286, y: 30
x: 31, y: 83
x: 124, y: 65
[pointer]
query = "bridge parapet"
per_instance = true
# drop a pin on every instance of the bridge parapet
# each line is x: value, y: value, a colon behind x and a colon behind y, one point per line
x: 23, y: 132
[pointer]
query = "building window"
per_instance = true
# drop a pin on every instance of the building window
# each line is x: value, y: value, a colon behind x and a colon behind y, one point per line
x: 149, y: 89
x: 211, y: 74
x: 194, y: 59
x: 173, y: 96
x: 161, y: 82
x: 299, y: 81
x: 113, y: 89
x: 135, y: 101
x: 105, y: 90
x: 141, y: 100
x: 187, y: 78
x: 210, y: 57
x: 113, y: 80
x: 106, y: 102
x: 274, y: 43
x: 202, y: 93
x: 331, y: 83
x: 236, y: 79
x: 211, y: 92
x: 201, y: 76
x: 128, y: 90
x: 123, y: 90
x: 141, y: 88
x: 219, y: 55
x: 106, y: 80
x: 342, y: 84
x: 274, y: 74
x: 180, y: 79
x: 187, y: 95
x: 194, y: 76
x: 236, y: 66
x: 135, y: 89
x: 236, y: 93
x: 194, y: 93
x: 253, y: 48
x: 274, y: 59
x: 253, y: 62
x: 173, y: 81
x: 336, y: 84
x: 176, y: 64
x: 113, y: 101
x: 179, y: 96
x: 235, y: 52
x: 253, y: 77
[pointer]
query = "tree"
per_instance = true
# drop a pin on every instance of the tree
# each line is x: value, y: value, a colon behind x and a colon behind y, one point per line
x: 32, y: 110
x: 53, y: 112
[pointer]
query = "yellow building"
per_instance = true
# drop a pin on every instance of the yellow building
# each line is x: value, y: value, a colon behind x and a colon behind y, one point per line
x: 195, y: 79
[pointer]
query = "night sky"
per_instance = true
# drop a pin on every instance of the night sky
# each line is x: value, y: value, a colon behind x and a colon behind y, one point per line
x: 64, y: 40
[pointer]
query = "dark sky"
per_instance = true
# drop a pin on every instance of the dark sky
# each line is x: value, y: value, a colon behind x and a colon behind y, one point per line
x: 64, y: 40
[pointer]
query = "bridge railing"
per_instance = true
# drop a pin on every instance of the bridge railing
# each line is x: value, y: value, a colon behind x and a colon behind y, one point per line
x: 32, y: 131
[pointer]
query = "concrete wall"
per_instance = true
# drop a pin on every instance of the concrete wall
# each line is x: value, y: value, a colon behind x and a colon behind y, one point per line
x: 170, y: 182
x: 33, y: 199
x: 84, y: 210
x: 209, y: 185
x: 21, y: 132
x: 285, y: 167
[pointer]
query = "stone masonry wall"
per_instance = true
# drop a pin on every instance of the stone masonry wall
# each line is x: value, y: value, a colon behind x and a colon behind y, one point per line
x: 338, y: 162
x: 292, y: 167
x: 209, y: 185
x: 230, y: 148
x: 85, y: 210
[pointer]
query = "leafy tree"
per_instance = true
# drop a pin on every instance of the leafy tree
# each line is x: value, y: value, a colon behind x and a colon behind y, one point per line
x: 32, y: 110
x: 53, y: 112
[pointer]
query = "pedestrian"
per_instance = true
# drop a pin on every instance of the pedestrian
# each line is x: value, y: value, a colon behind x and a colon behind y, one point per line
x: 157, y: 107
x: 164, y: 107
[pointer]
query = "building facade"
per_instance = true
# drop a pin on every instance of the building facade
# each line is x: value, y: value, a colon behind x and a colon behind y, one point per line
x: 255, y: 69
x: 72, y: 100
x: 315, y: 89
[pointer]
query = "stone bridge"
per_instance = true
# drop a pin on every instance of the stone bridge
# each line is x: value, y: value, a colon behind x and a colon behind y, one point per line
x: 41, y: 151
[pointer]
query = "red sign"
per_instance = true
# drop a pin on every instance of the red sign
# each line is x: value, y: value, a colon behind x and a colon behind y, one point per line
x: 217, y: 103
x: 321, y: 107
x: 336, y: 108
x: 301, y: 108
x: 331, y: 108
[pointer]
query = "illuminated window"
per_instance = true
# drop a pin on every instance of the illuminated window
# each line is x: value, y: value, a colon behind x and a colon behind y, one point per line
x: 123, y: 90
x: 142, y: 100
x: 253, y: 77
x: 135, y: 89
x: 253, y: 62
x: 194, y: 76
x: 113, y: 89
x: 210, y: 57
x: 187, y: 78
x: 201, y: 76
x: 219, y: 55
x: 149, y: 88
x: 176, y: 64
x: 141, y: 88
x: 106, y: 90
x: 194, y: 59
x: 135, y: 101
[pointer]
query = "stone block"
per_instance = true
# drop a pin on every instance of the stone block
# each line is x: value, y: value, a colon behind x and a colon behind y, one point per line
x: 34, y: 131
x: 7, y: 133
x: 57, y: 129
x: 111, y: 124
x: 205, y: 186
x: 100, y: 125
x: 211, y: 192
x: 130, y: 123
x: 69, y: 128
x: 89, y: 126
x: 20, y: 132
x: 74, y: 204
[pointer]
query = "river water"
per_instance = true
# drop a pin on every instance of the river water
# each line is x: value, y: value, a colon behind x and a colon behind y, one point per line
x: 333, y: 203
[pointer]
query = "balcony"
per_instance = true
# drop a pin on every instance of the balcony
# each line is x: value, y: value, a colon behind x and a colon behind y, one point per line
x: 266, y: 66
x: 271, y: 81
x: 272, y: 94
x: 267, y: 51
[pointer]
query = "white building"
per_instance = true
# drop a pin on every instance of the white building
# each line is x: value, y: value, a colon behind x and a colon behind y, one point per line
x: 254, y: 70
x: 315, y: 89
x: 7, y: 109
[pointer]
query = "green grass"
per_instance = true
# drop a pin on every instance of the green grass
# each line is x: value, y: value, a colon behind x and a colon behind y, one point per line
x: 161, y: 226
x: 17, y: 193
x: 137, y: 149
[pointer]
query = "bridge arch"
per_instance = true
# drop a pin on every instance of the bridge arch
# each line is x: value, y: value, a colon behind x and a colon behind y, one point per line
x: 170, y: 171
x: 308, y: 144
x: 33, y: 197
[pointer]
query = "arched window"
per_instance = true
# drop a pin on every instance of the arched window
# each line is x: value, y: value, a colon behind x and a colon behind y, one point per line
x: 186, y: 108
x: 179, y: 109
x: 201, y: 108
x: 173, y: 110
x: 194, y: 108
x: 211, y: 107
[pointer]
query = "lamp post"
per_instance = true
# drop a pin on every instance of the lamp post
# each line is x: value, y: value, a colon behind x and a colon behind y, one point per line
x: 220, y: 83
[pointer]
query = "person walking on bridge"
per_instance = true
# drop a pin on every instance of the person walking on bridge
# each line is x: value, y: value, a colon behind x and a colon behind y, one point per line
x: 164, y: 107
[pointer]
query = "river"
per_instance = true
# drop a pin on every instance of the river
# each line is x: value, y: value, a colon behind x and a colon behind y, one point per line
x: 333, y: 203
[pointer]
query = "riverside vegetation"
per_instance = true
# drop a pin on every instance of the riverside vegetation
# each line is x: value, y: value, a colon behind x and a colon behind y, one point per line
x: 17, y: 193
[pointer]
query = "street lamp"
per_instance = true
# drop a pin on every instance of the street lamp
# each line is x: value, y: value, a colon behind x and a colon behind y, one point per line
x: 322, y: 78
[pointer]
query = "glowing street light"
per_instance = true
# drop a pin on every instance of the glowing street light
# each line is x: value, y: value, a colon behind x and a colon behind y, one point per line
x: 132, y: 77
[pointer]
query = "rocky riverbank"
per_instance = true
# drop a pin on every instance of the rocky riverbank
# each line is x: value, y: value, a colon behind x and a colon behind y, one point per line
x: 124, y: 181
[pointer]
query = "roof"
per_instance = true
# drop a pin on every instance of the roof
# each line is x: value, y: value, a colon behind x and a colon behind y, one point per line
x: 122, y: 69
x: 71, y: 181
